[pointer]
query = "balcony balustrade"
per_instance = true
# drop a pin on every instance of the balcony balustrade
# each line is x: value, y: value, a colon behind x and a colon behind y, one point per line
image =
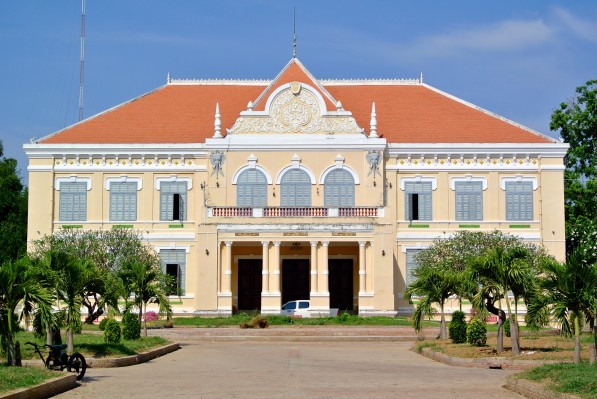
x: 294, y: 212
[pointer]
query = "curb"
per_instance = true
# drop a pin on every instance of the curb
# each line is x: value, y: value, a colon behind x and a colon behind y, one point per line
x: 134, y: 359
x: 533, y: 390
x: 302, y: 338
x: 51, y: 387
x: 487, y: 363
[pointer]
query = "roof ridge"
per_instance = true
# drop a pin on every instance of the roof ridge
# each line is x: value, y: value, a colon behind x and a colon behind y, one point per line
x: 256, y: 82
x: 339, y: 82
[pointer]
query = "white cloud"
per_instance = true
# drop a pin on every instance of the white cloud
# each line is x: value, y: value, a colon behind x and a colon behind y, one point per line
x: 579, y: 27
x: 504, y: 36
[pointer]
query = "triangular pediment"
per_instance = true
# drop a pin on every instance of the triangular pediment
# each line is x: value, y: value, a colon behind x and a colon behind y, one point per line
x: 295, y: 103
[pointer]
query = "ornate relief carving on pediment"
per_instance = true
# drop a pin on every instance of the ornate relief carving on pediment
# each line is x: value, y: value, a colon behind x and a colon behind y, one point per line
x: 295, y: 108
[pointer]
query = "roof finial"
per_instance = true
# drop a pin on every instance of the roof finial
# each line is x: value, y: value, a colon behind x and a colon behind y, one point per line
x: 421, y: 78
x: 168, y: 78
x: 373, y: 122
x: 218, y: 123
x: 294, y: 31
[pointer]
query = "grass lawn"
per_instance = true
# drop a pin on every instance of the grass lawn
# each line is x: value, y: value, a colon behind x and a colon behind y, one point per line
x: 92, y: 345
x: 576, y: 379
x: 276, y: 320
x: 12, y: 378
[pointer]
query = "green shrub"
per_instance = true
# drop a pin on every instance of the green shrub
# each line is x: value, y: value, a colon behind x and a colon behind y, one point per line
x: 507, y: 327
x: 457, y: 327
x: 112, y: 332
x: 39, y: 329
x: 131, y: 328
x: 102, y: 324
x: 344, y: 317
x: 476, y: 332
x: 78, y: 327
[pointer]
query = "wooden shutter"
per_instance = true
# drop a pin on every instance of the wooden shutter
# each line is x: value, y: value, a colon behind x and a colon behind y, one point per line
x: 123, y: 201
x: 295, y: 188
x: 339, y: 189
x: 519, y: 201
x: 251, y: 189
x: 73, y: 201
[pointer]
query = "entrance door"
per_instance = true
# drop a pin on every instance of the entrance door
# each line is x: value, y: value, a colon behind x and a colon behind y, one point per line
x: 249, y: 284
x: 295, y: 279
x: 341, y: 283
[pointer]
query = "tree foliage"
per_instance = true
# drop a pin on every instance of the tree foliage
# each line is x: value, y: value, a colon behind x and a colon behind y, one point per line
x: 576, y: 122
x: 13, y: 211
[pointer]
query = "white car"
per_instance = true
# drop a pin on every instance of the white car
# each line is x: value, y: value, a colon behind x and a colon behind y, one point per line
x: 302, y: 308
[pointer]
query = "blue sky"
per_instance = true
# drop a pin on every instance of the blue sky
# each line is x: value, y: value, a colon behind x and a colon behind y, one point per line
x: 519, y: 59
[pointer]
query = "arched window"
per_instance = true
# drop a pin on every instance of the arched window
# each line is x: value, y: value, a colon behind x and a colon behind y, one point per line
x: 339, y: 189
x: 295, y: 188
x: 251, y: 189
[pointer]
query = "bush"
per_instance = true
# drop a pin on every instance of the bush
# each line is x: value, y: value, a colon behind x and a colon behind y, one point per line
x: 102, y: 324
x: 507, y: 327
x: 78, y: 327
x: 476, y: 332
x: 151, y: 316
x: 112, y: 332
x: 457, y: 327
x: 131, y: 328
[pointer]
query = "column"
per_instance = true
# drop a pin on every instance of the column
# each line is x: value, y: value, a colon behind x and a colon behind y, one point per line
x: 275, y: 269
x: 324, y: 268
x: 227, y: 268
x: 313, y: 267
x: 362, y: 268
x: 265, y: 266
x: 369, y: 268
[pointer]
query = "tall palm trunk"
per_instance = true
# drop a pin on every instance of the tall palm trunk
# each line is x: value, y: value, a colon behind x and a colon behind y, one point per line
x: 513, y: 328
x: 49, y: 334
x: 594, y: 351
x: 144, y: 308
x: 443, y: 334
x: 576, y: 338
x: 10, y: 347
x: 70, y: 346
x: 500, y: 331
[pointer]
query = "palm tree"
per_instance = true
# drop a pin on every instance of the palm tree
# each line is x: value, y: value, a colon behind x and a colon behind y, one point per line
x: 18, y: 285
x: 433, y: 284
x: 498, y: 271
x: 569, y: 290
x: 148, y: 284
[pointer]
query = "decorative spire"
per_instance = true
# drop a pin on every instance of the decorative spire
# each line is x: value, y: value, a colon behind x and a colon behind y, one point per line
x: 373, y: 133
x: 421, y: 78
x: 168, y: 78
x: 294, y: 31
x: 218, y: 123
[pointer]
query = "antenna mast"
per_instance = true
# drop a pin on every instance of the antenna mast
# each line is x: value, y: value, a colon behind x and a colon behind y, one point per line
x: 82, y: 67
x: 294, y: 31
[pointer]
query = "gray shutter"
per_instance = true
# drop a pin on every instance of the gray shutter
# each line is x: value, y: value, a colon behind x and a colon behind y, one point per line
x: 339, y: 189
x: 251, y: 189
x: 425, y: 200
x: 519, y: 201
x: 179, y: 257
x: 411, y: 265
x: 123, y: 201
x: 73, y: 201
x: 295, y: 188
x: 469, y: 201
x: 167, y: 191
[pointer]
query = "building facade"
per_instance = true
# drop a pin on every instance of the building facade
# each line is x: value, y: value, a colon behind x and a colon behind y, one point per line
x: 260, y: 192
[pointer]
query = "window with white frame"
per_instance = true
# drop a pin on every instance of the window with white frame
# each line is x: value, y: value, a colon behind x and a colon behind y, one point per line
x: 519, y: 200
x: 123, y: 201
x: 417, y: 200
x: 173, y: 200
x: 469, y: 200
x: 174, y: 264
x: 295, y: 188
x: 411, y: 265
x: 251, y: 189
x: 339, y: 189
x: 72, y: 201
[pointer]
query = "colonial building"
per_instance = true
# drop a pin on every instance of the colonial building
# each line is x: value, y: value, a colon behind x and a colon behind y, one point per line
x: 259, y: 192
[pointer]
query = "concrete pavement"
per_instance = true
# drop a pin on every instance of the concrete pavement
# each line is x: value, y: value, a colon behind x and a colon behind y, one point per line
x: 258, y: 369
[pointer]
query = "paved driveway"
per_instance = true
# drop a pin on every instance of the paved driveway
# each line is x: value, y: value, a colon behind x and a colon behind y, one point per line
x: 287, y: 370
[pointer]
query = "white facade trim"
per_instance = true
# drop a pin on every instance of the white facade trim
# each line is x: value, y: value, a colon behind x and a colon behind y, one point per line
x: 518, y: 179
x: 187, y: 248
x: 72, y: 179
x: 173, y: 178
x: 169, y: 236
x: 339, y: 165
x: 467, y: 178
x: 418, y: 179
x: 123, y: 179
x: 296, y: 166
x: 251, y: 165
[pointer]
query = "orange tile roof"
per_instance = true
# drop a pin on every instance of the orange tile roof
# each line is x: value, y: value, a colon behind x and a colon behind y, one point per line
x: 184, y: 113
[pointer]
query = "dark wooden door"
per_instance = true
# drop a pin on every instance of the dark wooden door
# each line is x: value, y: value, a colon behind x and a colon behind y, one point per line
x: 249, y: 284
x: 341, y: 283
x: 295, y: 279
